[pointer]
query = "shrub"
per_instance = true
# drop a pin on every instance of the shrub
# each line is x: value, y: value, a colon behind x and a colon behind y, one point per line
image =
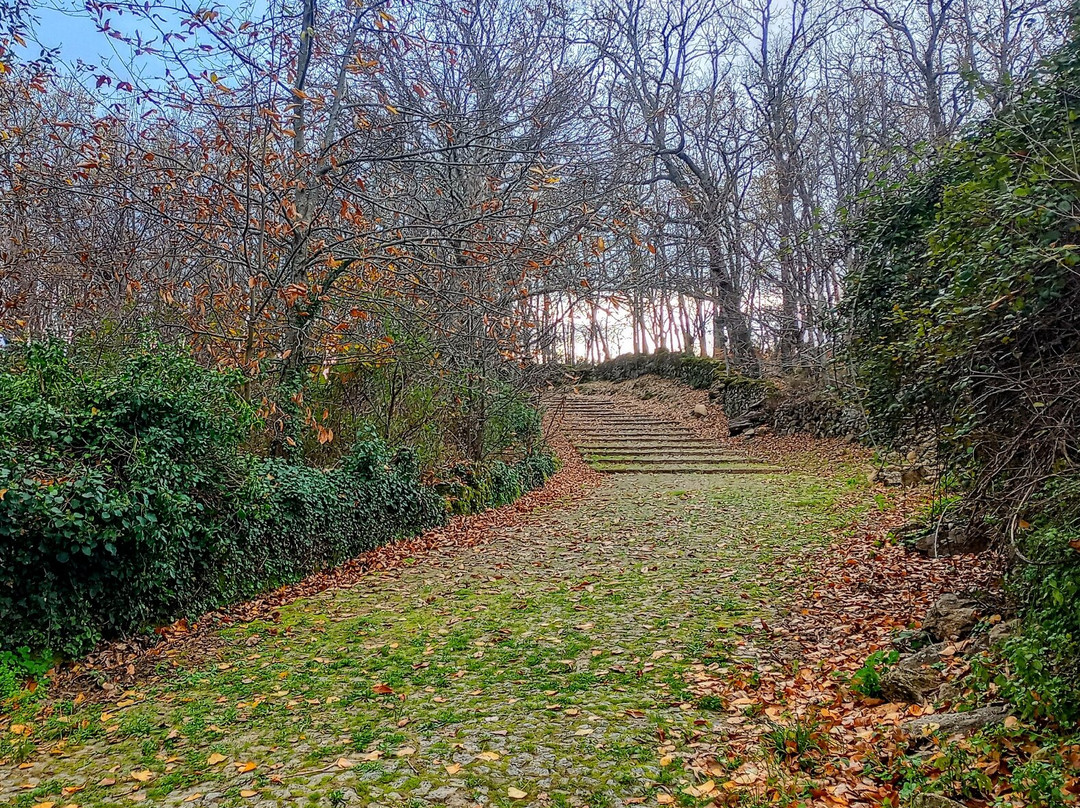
x: 473, y: 487
x: 866, y: 681
x: 961, y: 321
x: 126, y: 498
x: 116, y: 483
x: 1042, y: 657
x: 697, y: 371
x: 296, y: 520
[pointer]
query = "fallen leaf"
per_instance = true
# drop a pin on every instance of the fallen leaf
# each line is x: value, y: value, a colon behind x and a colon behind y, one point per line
x: 248, y: 792
x: 142, y: 776
x: 453, y: 768
x: 665, y: 799
x: 489, y: 756
x: 515, y: 793
x: 215, y: 759
x: 344, y: 763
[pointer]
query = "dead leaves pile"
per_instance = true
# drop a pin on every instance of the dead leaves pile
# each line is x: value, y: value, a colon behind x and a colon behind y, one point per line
x: 791, y: 715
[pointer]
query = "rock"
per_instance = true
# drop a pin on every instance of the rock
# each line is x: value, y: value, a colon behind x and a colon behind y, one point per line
x: 907, y: 642
x: 950, y: 618
x: 1002, y: 631
x: 911, y: 477
x: 912, y: 679
x: 951, y: 539
x: 891, y: 478
x: 909, y: 683
x: 701, y: 410
x: 932, y: 801
x: 955, y: 723
x: 951, y: 692
x: 910, y: 530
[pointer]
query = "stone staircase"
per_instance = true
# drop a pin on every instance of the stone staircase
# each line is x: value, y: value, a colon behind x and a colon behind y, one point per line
x: 617, y: 442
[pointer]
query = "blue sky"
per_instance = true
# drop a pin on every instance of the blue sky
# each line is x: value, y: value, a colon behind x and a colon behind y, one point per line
x: 65, y: 24
x: 75, y: 33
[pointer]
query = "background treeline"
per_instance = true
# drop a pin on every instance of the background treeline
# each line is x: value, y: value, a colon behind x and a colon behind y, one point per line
x: 311, y: 186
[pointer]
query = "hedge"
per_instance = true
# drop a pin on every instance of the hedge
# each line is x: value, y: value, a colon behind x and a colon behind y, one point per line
x: 126, y: 498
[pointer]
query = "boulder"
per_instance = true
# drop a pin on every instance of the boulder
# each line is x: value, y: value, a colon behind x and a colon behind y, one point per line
x: 909, y: 684
x: 951, y: 724
x: 950, y: 618
x: 951, y: 539
x: 701, y: 410
x: 912, y: 679
x: 951, y: 692
x: 932, y: 801
x: 1002, y: 631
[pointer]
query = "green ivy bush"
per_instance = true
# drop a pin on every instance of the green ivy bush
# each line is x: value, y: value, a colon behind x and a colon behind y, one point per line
x: 116, y: 484
x: 473, y: 487
x: 699, y: 372
x: 960, y: 314
x: 295, y: 519
x: 127, y: 498
x: 1043, y: 656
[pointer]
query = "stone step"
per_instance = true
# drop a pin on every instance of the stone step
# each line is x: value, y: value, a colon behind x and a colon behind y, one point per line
x: 635, y: 469
x: 652, y: 452
x: 643, y: 436
x: 624, y: 422
x: 630, y: 426
x: 645, y: 442
x: 677, y: 460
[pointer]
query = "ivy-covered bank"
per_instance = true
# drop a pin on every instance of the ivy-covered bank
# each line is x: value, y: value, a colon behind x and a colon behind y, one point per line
x: 128, y: 497
x: 962, y: 324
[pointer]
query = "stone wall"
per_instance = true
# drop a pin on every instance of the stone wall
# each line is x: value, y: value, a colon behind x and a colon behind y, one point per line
x: 820, y: 416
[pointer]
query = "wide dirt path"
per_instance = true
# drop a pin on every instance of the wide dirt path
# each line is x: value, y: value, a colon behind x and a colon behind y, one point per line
x: 550, y: 665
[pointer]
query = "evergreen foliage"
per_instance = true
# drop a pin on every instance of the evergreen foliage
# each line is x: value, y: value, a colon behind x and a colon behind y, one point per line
x: 126, y: 497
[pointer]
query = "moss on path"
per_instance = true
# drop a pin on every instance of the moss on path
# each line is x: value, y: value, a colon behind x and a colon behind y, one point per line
x: 548, y: 666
